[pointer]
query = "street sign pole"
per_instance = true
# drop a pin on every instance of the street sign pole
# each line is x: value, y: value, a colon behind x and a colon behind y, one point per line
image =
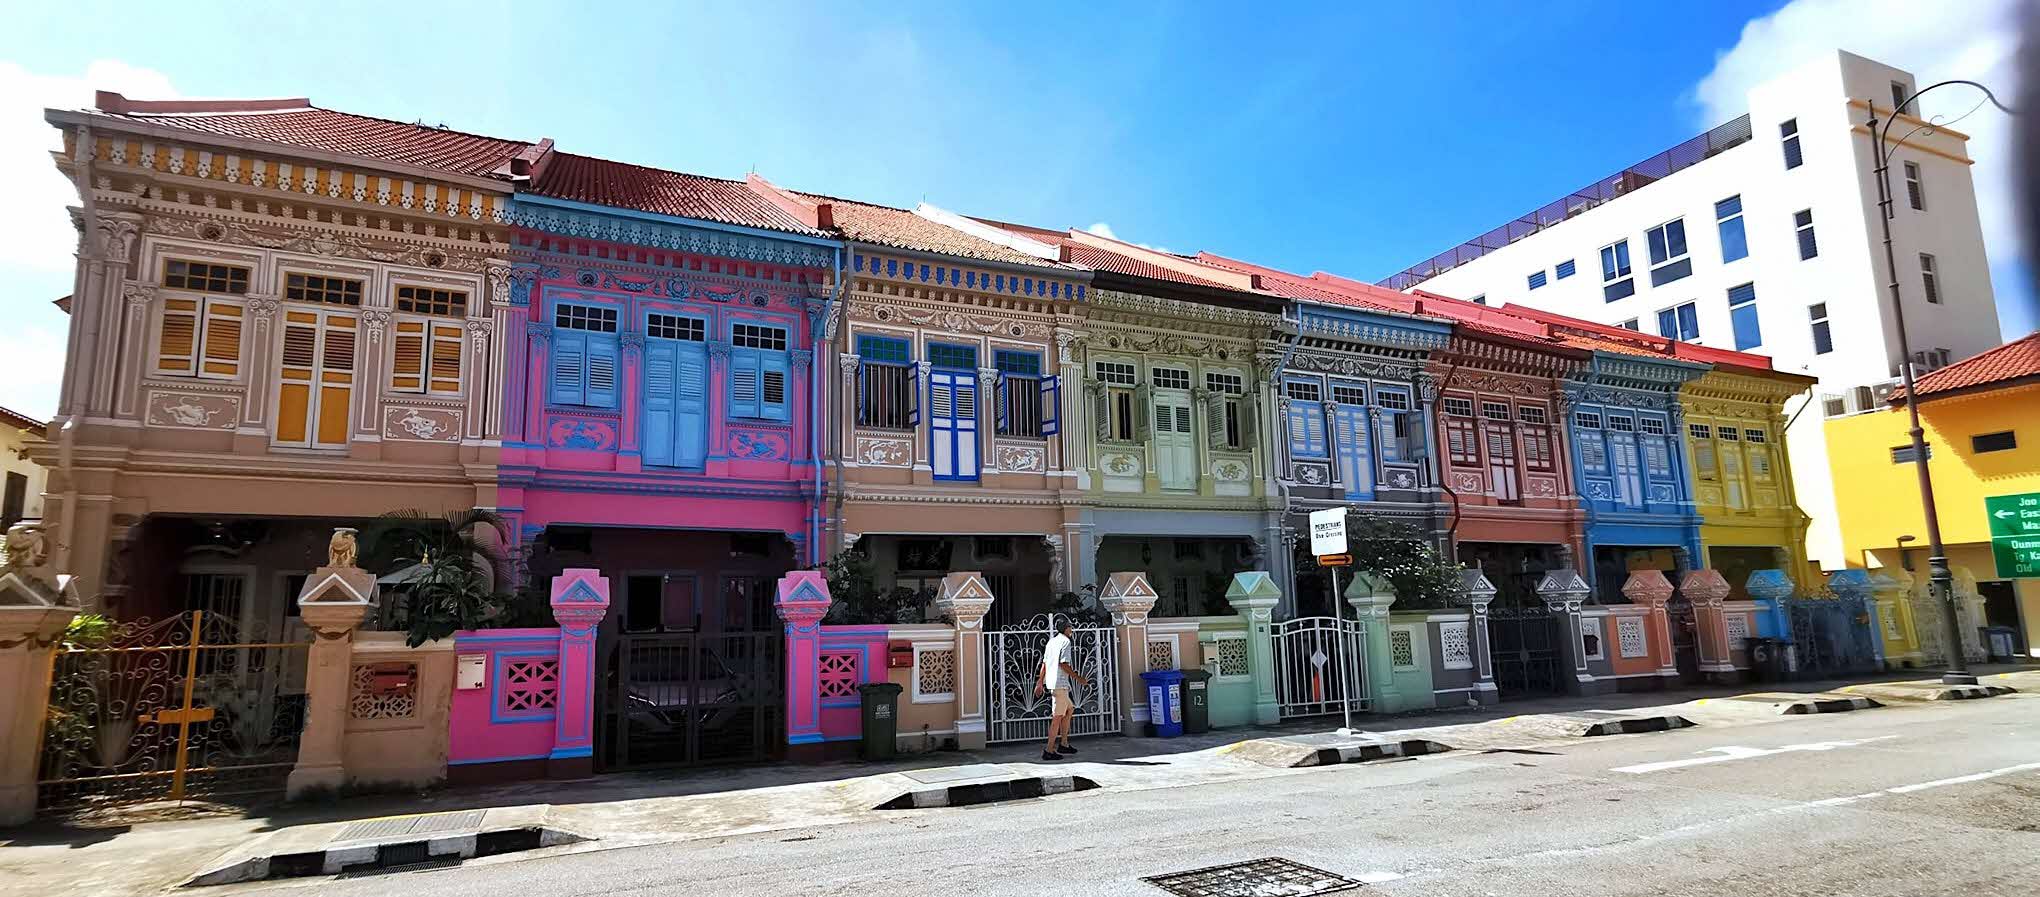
x: 1327, y: 540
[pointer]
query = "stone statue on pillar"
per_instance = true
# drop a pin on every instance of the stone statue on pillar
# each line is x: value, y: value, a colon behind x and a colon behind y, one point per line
x: 36, y: 605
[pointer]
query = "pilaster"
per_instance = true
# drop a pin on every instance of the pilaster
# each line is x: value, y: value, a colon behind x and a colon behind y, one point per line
x: 1563, y: 590
x: 1706, y: 588
x: 580, y: 601
x: 1253, y: 595
x: 802, y: 600
x: 1478, y: 593
x: 964, y: 599
x: 1130, y: 598
x: 1372, y: 597
x: 1650, y: 588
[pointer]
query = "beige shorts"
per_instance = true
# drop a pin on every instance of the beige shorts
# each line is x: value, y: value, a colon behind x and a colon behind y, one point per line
x: 1062, y: 702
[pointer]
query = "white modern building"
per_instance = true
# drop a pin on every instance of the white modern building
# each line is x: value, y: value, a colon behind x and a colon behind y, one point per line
x: 1762, y: 235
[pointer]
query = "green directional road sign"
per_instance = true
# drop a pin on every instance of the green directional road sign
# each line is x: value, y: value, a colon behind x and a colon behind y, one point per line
x: 2015, y: 533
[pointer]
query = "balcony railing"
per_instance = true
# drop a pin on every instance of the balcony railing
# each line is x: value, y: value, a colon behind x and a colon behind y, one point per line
x: 1622, y: 183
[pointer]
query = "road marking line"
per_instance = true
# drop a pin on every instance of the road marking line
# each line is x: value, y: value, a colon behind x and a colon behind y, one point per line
x: 1959, y: 780
x: 1734, y: 752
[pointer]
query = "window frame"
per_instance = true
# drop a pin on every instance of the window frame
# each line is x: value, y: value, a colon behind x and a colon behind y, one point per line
x: 1930, y: 278
x: 210, y: 311
x: 1674, y: 311
x: 1820, y: 328
x: 868, y: 417
x: 1005, y: 397
x: 1802, y: 230
x: 773, y: 357
x: 1743, y: 311
x: 1788, y: 139
x: 1565, y: 269
x: 1618, y: 271
x: 596, y: 326
x: 1976, y: 445
x: 1536, y: 279
x: 1724, y: 219
x: 1915, y: 186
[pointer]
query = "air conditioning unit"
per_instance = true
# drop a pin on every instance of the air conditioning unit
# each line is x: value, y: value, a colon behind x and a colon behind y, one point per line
x: 1862, y: 399
x: 1834, y: 405
x: 1881, y: 393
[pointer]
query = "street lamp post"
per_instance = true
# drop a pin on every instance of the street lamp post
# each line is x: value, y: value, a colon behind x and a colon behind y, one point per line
x: 1941, y: 582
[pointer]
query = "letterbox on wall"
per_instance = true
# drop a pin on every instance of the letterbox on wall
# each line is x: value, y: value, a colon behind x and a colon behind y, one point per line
x: 392, y: 678
x: 899, y: 655
x: 471, y: 671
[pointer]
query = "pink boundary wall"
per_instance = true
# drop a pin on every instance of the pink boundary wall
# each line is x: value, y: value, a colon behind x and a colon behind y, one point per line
x: 488, y: 726
x: 851, y: 656
x: 483, y: 731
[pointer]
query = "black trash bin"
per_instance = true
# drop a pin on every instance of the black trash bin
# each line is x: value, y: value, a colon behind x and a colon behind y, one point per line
x: 1196, y: 701
x: 881, y: 703
x: 1767, y: 659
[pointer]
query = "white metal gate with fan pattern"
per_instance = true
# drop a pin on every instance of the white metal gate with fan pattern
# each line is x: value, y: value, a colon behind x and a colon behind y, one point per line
x: 1319, y: 662
x: 1013, y: 712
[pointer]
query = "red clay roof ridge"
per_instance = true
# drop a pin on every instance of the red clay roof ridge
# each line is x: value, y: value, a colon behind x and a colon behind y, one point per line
x: 114, y: 102
x: 811, y: 211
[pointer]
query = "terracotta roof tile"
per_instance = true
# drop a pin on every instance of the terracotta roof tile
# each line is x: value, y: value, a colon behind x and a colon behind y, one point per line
x: 1102, y: 258
x: 326, y: 130
x: 623, y: 185
x: 1291, y: 286
x: 2016, y: 360
x: 901, y: 229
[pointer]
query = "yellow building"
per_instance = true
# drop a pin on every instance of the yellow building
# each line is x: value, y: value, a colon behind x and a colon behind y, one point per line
x: 1982, y: 423
x: 1742, y: 484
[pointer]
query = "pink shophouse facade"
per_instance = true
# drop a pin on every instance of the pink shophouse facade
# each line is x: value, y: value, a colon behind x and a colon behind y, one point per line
x: 661, y: 432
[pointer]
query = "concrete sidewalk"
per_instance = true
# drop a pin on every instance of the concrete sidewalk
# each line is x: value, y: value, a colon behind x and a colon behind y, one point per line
x: 157, y: 848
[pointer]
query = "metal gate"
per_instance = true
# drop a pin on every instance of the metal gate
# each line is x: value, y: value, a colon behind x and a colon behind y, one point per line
x: 1524, y: 651
x: 1013, y: 712
x: 1831, y: 635
x: 675, y: 698
x: 1319, y: 663
x: 182, y: 708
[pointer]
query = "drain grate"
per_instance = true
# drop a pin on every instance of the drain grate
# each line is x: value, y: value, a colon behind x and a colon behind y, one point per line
x: 1270, y: 877
x: 429, y: 823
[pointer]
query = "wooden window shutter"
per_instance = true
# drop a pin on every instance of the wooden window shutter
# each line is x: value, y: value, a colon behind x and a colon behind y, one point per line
x: 407, y: 366
x: 222, y: 352
x: 336, y: 379
x: 446, y: 345
x: 177, y: 344
x: 295, y: 369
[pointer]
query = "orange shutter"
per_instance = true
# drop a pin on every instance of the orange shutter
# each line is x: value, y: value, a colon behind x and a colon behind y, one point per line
x: 177, y: 345
x: 294, y: 373
x: 407, y: 371
x: 222, y: 339
x: 336, y: 379
x: 445, y: 358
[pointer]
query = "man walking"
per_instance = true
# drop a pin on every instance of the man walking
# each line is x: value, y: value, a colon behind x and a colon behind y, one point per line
x: 1054, y: 677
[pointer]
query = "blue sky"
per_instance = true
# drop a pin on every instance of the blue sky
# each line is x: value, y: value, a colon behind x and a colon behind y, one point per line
x: 1355, y: 140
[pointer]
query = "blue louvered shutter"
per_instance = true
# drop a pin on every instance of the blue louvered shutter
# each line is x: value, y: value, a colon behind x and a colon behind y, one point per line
x: 1356, y: 463
x: 744, y: 391
x: 1306, y: 429
x: 999, y: 403
x: 690, y: 406
x: 914, y: 395
x: 1051, y: 405
x: 661, y: 400
x: 775, y: 396
x: 604, y: 370
x: 569, y: 368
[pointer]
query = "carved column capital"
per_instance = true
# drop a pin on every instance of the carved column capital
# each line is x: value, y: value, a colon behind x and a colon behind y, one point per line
x: 139, y: 293
x: 633, y: 341
x: 718, y: 348
x: 261, y: 306
x: 800, y: 359
x: 375, y: 319
x: 539, y: 331
x: 848, y: 363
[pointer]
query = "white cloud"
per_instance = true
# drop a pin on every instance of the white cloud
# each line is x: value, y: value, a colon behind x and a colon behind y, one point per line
x: 36, y: 237
x: 1974, y: 40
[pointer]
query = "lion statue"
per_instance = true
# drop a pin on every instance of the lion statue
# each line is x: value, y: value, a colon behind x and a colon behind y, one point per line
x: 341, y: 551
x: 27, y: 545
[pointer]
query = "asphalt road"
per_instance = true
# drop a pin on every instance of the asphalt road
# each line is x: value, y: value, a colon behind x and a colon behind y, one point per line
x: 1913, y: 801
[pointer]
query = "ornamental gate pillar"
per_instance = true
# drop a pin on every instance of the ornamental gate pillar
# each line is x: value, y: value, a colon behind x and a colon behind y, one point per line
x: 1253, y: 596
x: 1769, y: 588
x: 36, y: 605
x: 964, y: 599
x: 1898, y: 643
x: 580, y: 600
x: 332, y: 604
x: 1130, y: 597
x: 1650, y: 589
x: 1563, y: 590
x: 802, y: 600
x: 1371, y: 597
x: 1478, y: 593
x: 1707, y: 588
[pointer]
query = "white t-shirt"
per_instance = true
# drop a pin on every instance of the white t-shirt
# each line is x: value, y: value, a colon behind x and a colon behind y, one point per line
x: 1052, y: 659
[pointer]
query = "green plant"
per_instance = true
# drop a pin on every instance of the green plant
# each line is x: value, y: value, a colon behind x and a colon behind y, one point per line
x: 856, y: 597
x: 452, y: 573
x: 1423, y: 578
x: 88, y: 631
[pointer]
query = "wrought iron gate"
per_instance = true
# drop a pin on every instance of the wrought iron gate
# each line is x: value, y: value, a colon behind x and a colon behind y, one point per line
x: 1319, y: 663
x: 675, y: 698
x: 1524, y: 650
x: 1831, y: 635
x: 181, y: 708
x: 1013, y: 712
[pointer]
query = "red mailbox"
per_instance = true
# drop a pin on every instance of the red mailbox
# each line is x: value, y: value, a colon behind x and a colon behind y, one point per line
x: 391, y: 678
x: 899, y: 655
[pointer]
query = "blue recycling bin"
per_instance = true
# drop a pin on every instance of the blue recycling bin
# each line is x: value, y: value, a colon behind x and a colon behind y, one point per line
x: 1165, y: 702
